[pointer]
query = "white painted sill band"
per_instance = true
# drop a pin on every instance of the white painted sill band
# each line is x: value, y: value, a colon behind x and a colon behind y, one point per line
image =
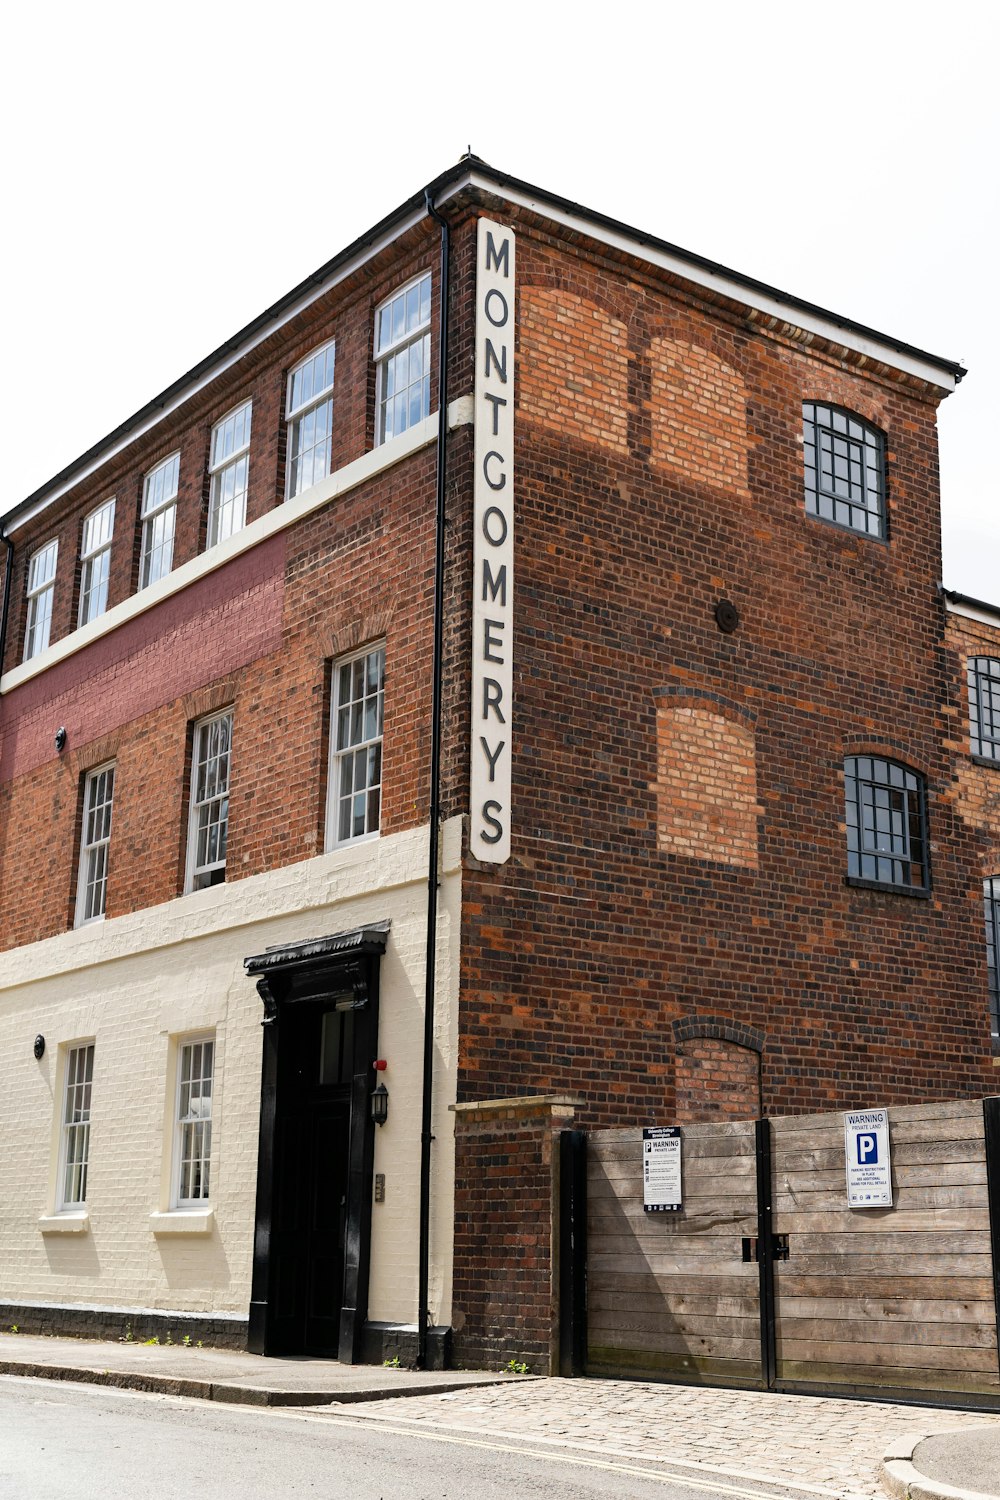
x: 73, y: 1222
x: 183, y: 1221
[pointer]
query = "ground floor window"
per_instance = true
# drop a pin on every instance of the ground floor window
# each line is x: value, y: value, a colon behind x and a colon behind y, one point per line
x: 76, y: 1126
x: 193, y: 1142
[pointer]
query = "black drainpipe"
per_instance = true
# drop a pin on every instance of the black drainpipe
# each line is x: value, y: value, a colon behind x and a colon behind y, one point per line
x: 423, y: 1311
x: 8, y: 581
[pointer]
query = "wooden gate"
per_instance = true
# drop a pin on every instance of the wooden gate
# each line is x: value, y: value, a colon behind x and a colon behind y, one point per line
x: 900, y: 1300
x: 671, y: 1293
x: 897, y: 1298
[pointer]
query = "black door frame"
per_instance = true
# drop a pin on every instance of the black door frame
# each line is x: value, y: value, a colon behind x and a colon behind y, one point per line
x: 346, y: 966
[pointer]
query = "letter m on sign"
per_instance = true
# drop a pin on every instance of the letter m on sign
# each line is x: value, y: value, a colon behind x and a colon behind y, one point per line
x: 497, y: 260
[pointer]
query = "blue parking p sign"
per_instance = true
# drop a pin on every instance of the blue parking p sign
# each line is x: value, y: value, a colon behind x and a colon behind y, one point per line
x: 869, y: 1169
x: 867, y: 1149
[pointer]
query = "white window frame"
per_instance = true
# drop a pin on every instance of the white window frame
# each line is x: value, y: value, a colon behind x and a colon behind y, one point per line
x: 74, y: 1126
x: 194, y: 870
x: 41, y: 593
x: 186, y: 1124
x: 94, y: 851
x: 296, y: 415
x: 153, y: 509
x: 229, y: 455
x: 344, y: 757
x: 95, y: 561
x: 388, y: 351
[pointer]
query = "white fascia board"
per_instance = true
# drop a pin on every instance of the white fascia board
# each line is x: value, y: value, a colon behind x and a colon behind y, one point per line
x: 284, y: 515
x: 224, y: 364
x: 970, y: 612
x: 716, y: 281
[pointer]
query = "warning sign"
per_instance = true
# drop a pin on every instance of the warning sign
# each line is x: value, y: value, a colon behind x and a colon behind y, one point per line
x: 869, y: 1169
x: 661, y: 1169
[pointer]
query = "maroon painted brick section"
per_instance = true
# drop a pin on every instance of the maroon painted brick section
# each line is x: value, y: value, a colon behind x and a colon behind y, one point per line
x: 222, y: 622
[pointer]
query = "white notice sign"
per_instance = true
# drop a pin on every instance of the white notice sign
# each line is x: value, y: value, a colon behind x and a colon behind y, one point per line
x: 493, y: 548
x: 661, y: 1169
x: 869, y: 1169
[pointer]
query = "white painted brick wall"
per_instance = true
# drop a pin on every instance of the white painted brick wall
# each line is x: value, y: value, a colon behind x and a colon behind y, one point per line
x: 134, y: 983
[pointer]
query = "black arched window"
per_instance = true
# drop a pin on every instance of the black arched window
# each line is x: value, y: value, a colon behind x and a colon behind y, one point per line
x: 886, y: 823
x: 984, y: 706
x: 845, y: 469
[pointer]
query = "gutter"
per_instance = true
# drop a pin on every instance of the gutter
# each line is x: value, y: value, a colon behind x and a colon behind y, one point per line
x: 8, y: 583
x: 966, y: 602
x: 427, y: 1096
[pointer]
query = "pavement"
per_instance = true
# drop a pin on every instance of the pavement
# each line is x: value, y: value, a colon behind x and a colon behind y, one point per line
x: 824, y: 1448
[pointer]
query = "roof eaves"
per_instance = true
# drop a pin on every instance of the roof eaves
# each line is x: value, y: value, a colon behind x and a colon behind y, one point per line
x: 470, y: 171
x: 508, y: 185
x: 232, y: 348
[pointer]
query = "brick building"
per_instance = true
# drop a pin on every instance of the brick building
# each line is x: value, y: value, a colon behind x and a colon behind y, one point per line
x: 640, y: 645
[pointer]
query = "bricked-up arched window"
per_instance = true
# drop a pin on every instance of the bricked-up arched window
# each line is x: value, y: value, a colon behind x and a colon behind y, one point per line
x: 886, y: 824
x: 984, y: 706
x: 845, y: 469
x: 991, y: 902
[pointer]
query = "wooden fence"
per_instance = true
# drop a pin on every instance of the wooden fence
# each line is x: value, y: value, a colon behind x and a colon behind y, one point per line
x: 868, y: 1301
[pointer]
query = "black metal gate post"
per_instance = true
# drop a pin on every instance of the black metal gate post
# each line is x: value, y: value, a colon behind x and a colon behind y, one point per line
x: 991, y: 1127
x: 572, y: 1252
x: 765, y: 1255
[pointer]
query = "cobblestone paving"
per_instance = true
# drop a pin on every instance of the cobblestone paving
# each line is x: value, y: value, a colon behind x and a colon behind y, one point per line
x: 818, y: 1445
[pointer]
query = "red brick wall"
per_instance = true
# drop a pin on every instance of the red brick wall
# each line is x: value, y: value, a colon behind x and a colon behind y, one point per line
x: 504, y: 1300
x: 258, y: 633
x: 975, y: 788
x: 716, y: 1080
x: 580, y: 953
x: 346, y: 315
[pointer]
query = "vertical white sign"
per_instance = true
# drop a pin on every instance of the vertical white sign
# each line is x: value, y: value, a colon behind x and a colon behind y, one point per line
x: 869, y: 1168
x: 661, y: 1169
x: 493, y: 547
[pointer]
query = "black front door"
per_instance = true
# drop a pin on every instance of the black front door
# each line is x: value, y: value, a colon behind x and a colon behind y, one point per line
x: 316, y: 1148
x: 311, y: 1180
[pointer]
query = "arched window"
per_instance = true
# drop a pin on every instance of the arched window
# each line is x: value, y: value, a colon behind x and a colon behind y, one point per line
x: 845, y: 469
x: 984, y: 706
x: 886, y: 823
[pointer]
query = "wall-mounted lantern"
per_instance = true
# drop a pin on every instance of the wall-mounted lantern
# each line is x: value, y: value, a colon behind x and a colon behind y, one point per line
x: 380, y: 1103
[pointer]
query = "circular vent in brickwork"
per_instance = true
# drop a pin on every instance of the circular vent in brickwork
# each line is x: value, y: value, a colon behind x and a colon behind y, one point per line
x: 727, y: 616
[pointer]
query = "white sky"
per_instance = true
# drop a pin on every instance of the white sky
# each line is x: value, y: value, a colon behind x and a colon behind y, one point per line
x: 168, y: 172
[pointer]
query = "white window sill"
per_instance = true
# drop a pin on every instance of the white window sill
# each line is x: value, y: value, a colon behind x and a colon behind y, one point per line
x: 73, y: 1221
x: 183, y: 1221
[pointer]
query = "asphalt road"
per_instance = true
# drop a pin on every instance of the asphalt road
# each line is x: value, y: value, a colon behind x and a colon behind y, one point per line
x: 59, y: 1441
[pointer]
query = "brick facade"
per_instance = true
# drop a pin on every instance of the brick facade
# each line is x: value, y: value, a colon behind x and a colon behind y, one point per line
x: 674, y: 936
x: 506, y: 1234
x: 604, y: 928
